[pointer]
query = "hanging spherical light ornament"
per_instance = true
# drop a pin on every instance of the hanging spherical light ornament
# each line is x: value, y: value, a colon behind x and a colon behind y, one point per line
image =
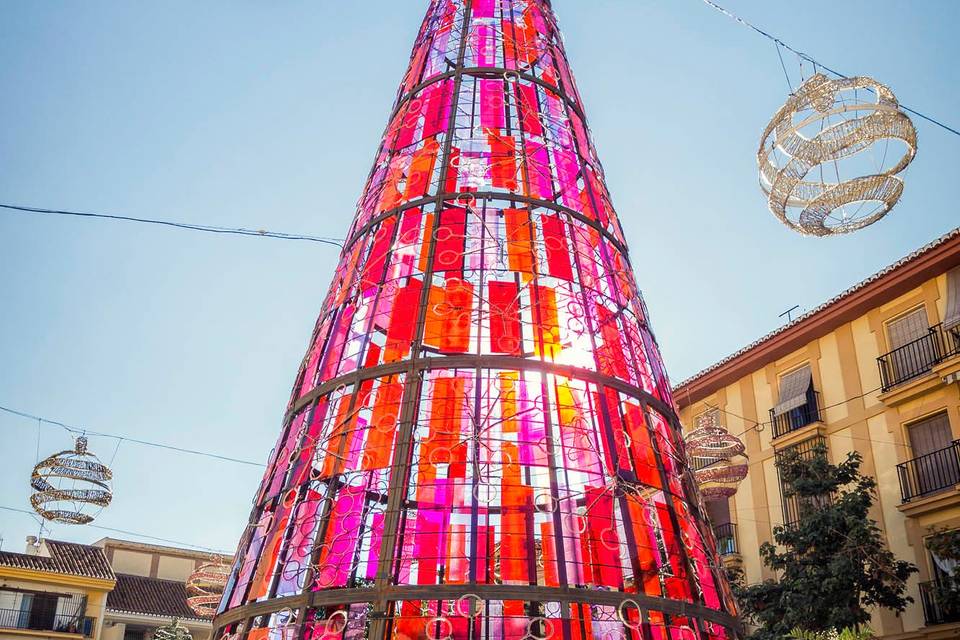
x: 172, y: 631
x: 69, y: 483
x: 814, y: 183
x: 205, y: 587
x: 718, y: 460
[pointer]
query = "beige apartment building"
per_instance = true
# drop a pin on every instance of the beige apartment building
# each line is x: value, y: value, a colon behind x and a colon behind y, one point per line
x: 54, y: 591
x: 875, y: 370
x: 110, y: 590
x: 151, y: 589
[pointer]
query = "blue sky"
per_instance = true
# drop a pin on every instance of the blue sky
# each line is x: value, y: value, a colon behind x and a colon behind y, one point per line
x: 268, y: 115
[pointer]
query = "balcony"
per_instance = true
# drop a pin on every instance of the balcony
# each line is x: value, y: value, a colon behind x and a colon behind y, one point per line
x: 919, y: 357
x: 931, y: 473
x: 807, y: 413
x: 41, y: 620
x: 726, y: 535
x: 933, y: 611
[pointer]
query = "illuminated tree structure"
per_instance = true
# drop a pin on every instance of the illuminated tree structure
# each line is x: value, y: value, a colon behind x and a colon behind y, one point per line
x: 480, y: 442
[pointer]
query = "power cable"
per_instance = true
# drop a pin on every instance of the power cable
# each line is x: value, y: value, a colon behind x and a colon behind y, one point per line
x: 78, y: 430
x: 816, y: 63
x: 765, y: 423
x: 134, y: 533
x: 259, y: 233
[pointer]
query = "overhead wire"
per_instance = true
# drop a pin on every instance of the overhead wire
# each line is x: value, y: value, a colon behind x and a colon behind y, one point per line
x: 133, y: 533
x: 74, y: 430
x: 766, y: 423
x: 240, y: 231
x: 817, y: 63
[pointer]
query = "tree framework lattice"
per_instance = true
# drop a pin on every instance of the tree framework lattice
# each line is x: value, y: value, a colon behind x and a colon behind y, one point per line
x: 480, y: 442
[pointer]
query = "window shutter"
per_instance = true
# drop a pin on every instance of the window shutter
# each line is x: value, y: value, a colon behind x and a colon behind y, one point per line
x: 932, y: 434
x: 793, y: 390
x: 718, y: 511
x: 951, y: 318
x: 910, y: 327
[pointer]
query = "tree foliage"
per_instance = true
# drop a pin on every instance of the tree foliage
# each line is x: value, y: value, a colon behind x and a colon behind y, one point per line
x: 832, y: 565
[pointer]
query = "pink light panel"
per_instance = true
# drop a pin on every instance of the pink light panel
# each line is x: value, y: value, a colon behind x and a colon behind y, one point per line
x: 480, y: 442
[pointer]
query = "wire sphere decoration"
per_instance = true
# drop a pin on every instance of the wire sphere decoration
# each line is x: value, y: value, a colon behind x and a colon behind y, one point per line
x: 719, y: 461
x: 205, y: 587
x: 172, y: 631
x: 67, y: 484
x: 820, y: 159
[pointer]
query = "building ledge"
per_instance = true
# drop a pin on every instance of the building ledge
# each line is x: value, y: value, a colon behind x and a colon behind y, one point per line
x: 926, y: 505
x: 911, y: 389
x: 949, y: 370
x: 732, y: 561
x: 931, y: 632
x: 37, y: 633
x: 812, y: 430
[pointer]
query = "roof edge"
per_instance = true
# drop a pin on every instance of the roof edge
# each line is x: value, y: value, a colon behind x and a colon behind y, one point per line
x: 890, y: 282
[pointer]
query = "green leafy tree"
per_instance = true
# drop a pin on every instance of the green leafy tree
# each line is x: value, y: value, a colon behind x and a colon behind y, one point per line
x: 833, y: 564
x: 946, y: 545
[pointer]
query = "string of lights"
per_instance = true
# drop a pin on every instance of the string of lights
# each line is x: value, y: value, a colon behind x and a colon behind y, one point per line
x: 133, y: 533
x: 73, y: 430
x: 816, y: 63
x: 240, y: 231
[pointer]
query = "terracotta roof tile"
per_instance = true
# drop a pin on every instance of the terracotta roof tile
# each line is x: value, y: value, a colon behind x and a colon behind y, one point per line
x: 150, y: 596
x: 65, y: 557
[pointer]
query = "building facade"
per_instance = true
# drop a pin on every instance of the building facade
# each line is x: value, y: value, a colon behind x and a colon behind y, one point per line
x: 150, y: 589
x: 110, y: 590
x: 55, y: 590
x: 875, y: 370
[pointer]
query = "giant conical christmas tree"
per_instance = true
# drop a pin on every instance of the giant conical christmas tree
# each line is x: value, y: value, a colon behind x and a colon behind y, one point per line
x: 481, y: 441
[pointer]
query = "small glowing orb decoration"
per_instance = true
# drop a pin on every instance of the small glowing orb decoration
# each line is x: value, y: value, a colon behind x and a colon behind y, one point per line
x: 205, y: 587
x: 172, y: 631
x: 718, y: 460
x: 67, y: 485
x: 830, y: 156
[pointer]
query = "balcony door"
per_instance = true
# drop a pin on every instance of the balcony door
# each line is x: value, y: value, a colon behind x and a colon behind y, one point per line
x: 719, y: 513
x: 936, y: 465
x: 43, y: 611
x: 913, y: 348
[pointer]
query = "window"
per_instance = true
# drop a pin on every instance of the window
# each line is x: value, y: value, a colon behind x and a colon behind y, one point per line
x: 935, y: 465
x: 797, y: 404
x: 794, y: 505
x: 134, y: 634
x: 718, y: 511
x: 913, y: 349
x: 951, y: 318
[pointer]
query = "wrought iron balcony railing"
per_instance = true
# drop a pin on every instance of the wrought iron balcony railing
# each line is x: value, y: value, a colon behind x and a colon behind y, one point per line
x: 34, y: 620
x: 917, y: 358
x: 726, y: 535
x: 807, y: 413
x: 930, y: 473
x: 936, y: 607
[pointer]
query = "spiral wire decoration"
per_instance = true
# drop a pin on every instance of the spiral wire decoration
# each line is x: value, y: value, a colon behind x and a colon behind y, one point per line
x: 205, y: 587
x: 67, y: 482
x: 718, y: 460
x: 788, y: 155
